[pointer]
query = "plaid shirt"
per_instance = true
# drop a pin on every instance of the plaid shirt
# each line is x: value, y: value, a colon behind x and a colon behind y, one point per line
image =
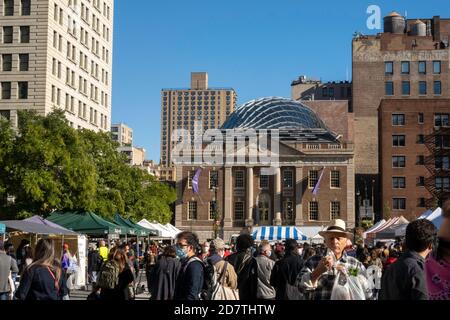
x: 326, y: 280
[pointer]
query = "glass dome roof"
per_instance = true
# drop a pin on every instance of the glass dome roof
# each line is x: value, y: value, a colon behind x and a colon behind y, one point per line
x: 274, y: 113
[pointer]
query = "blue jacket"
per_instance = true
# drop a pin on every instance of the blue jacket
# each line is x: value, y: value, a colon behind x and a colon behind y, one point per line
x: 190, y: 280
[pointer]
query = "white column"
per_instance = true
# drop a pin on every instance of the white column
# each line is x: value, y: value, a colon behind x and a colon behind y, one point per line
x: 298, y: 196
x: 277, y: 201
x: 250, y: 204
x: 227, y: 203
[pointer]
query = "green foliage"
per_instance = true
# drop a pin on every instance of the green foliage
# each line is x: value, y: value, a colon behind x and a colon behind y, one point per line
x: 50, y: 166
x: 387, y: 212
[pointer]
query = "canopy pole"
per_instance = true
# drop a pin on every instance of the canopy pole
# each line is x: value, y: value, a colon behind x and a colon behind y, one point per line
x: 62, y: 246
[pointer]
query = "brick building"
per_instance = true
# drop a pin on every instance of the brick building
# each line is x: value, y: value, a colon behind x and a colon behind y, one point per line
x: 414, y: 162
x: 242, y: 195
x: 409, y: 60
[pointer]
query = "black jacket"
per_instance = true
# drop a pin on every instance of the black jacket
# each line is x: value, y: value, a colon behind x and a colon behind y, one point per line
x: 190, y: 280
x: 163, y: 277
x: 247, y: 274
x: 37, y: 283
x: 94, y: 261
x: 121, y: 291
x: 285, y: 273
x: 405, y: 279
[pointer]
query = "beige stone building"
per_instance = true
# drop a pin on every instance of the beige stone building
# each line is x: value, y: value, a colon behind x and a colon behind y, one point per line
x: 237, y: 196
x: 122, y: 134
x: 180, y: 108
x: 136, y: 155
x: 57, y: 54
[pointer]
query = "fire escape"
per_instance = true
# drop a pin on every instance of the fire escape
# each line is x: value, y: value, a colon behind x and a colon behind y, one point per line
x: 437, y: 163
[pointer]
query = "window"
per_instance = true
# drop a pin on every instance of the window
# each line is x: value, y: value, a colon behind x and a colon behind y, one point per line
x: 436, y: 67
x: 420, y: 118
x: 313, y: 211
x: 190, y: 176
x: 441, y: 120
x: 399, y: 182
x: 442, y: 163
x: 239, y: 179
x: 406, y: 88
x: 331, y: 92
x: 24, y: 62
x: 335, y: 179
x: 420, y: 139
x: 288, y: 211
x: 389, y: 88
x: 212, y: 210
x: 443, y: 184
x: 25, y: 34
x: 389, y: 67
x: 264, y: 181
x: 7, y: 34
x: 7, y: 62
x: 422, y: 88
x: 399, y: 203
x: 8, y: 8
x: 442, y: 141
x: 25, y: 6
x: 213, y: 179
x: 6, y: 90
x: 398, y: 161
x: 288, y: 179
x: 398, y: 119
x: 398, y: 140
x: 192, y: 210
x: 422, y: 67
x: 405, y: 67
x: 421, y: 203
x: 421, y: 181
x: 5, y: 114
x: 23, y: 90
x: 437, y: 88
x: 335, y: 210
x: 239, y: 210
x: 420, y: 160
x: 313, y: 177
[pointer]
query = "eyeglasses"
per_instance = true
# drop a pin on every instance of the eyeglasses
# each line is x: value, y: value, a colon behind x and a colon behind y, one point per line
x: 182, y: 245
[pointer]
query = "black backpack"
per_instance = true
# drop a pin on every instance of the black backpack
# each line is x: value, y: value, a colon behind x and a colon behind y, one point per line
x: 209, y: 275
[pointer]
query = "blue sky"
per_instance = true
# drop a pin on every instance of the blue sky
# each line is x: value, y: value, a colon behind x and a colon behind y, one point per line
x: 255, y: 46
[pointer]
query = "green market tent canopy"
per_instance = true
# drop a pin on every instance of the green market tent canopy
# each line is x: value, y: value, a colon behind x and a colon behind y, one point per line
x: 134, y: 228
x: 87, y: 223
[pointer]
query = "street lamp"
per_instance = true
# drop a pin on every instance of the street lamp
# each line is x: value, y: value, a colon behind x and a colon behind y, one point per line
x: 358, y: 218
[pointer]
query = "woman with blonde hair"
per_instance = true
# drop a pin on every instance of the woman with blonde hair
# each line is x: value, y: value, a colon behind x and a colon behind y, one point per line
x: 115, y: 276
x: 42, y: 279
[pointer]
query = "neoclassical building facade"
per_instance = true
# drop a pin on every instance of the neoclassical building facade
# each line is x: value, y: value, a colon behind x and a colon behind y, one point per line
x: 233, y: 196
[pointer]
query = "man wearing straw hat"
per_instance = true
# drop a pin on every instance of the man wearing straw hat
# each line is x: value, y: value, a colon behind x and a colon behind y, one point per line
x: 319, y: 272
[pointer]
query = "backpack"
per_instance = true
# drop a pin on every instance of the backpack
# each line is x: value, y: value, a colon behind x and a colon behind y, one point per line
x: 109, y: 275
x: 209, y: 278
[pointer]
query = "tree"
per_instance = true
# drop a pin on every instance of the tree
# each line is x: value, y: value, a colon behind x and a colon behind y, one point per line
x: 387, y: 213
x: 50, y: 166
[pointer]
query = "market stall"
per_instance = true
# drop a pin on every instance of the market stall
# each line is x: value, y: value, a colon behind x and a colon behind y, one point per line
x: 278, y: 233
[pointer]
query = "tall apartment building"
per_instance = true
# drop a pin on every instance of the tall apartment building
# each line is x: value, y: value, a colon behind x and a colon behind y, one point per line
x: 409, y: 60
x: 57, y: 54
x: 415, y: 157
x: 180, y: 108
x: 122, y: 134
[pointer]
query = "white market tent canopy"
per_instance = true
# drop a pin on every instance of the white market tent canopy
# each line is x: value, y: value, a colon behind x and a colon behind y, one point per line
x: 391, y: 222
x: 36, y: 228
x: 172, y: 228
x: 434, y: 216
x: 374, y: 228
x: 162, y: 230
x: 278, y: 233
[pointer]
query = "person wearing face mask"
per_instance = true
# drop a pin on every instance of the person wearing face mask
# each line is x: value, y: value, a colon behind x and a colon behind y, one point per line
x: 216, y: 258
x: 265, y: 265
x: 189, y: 284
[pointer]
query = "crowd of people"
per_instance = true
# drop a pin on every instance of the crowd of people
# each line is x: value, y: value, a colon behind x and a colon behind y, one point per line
x: 416, y: 268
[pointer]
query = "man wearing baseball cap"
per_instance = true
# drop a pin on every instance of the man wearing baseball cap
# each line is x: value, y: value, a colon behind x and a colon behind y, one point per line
x: 319, y: 272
